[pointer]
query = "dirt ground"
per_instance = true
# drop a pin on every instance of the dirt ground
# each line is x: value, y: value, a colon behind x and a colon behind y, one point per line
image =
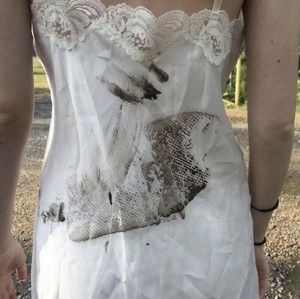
x: 283, y: 246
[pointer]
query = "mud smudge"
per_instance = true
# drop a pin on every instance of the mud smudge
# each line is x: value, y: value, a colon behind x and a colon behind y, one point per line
x: 165, y: 178
x: 181, y: 176
x: 137, y: 87
x: 55, y: 213
x: 150, y: 91
x: 98, y: 175
x: 110, y: 197
x: 105, y: 245
x: 141, y: 82
x: 120, y: 93
x: 117, y: 126
x: 161, y: 75
x: 182, y: 214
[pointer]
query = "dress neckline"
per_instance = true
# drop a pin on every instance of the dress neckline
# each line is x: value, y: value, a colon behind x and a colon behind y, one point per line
x: 137, y: 30
x: 172, y: 11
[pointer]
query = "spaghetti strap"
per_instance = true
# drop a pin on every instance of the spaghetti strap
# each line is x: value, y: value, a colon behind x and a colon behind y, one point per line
x: 217, y: 4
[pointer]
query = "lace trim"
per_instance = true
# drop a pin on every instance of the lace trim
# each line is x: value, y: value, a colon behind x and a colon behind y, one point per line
x: 141, y: 34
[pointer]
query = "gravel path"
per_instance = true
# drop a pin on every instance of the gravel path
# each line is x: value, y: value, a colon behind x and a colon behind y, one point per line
x: 283, y: 246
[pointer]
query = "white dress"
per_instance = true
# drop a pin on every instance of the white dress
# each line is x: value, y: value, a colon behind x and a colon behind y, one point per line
x: 143, y: 193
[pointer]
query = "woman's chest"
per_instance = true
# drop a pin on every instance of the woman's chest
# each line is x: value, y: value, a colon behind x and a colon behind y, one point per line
x: 158, y: 7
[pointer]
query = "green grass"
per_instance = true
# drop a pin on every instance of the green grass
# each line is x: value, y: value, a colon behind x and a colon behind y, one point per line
x: 40, y: 80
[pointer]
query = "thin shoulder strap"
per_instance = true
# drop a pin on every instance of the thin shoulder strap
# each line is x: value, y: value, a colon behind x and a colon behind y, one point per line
x: 217, y: 4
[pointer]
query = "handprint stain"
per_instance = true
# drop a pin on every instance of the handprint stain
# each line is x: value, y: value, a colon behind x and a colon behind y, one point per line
x: 163, y: 177
x: 136, y: 86
x: 180, y: 174
x: 130, y: 83
x: 149, y: 91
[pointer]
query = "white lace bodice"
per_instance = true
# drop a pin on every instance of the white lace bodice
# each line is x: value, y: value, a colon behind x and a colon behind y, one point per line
x: 137, y: 30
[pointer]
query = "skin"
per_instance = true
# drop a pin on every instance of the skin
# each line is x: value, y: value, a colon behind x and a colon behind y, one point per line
x: 16, y: 112
x: 272, y: 40
x: 189, y: 6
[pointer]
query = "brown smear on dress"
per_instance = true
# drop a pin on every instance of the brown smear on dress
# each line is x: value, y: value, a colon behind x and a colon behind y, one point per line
x: 105, y: 245
x: 110, y: 197
x: 165, y: 177
x: 120, y: 93
x: 140, y: 89
x: 181, y: 176
x: 182, y: 214
x: 55, y: 213
x: 161, y: 75
x: 150, y: 92
x: 117, y: 127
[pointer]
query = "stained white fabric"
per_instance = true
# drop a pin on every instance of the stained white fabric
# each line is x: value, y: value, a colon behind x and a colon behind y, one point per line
x: 143, y: 192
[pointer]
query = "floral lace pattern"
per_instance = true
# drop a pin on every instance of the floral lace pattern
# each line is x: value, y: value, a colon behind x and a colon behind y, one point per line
x: 141, y: 34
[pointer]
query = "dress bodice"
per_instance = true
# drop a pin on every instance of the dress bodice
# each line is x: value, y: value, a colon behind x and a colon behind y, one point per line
x: 137, y: 109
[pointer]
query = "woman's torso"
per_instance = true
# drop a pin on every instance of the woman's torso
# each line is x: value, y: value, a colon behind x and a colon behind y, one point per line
x: 140, y: 149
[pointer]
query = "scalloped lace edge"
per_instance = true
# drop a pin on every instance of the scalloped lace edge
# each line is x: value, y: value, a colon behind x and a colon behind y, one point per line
x: 95, y: 11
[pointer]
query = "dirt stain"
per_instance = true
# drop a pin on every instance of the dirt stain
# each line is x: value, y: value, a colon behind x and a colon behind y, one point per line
x: 122, y: 94
x: 150, y: 91
x: 165, y: 179
x: 162, y: 76
x: 105, y: 245
x: 137, y: 88
x: 110, y: 197
x: 181, y: 176
x: 55, y: 213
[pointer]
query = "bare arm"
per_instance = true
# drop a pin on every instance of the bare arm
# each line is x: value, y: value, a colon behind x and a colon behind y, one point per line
x: 272, y: 41
x: 16, y: 100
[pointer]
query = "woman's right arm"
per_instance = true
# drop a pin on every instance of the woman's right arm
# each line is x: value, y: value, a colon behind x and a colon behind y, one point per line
x: 271, y: 44
x: 16, y: 111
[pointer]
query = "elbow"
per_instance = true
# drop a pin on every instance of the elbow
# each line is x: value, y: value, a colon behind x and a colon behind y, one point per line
x: 277, y: 133
x: 14, y: 122
x: 287, y: 133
